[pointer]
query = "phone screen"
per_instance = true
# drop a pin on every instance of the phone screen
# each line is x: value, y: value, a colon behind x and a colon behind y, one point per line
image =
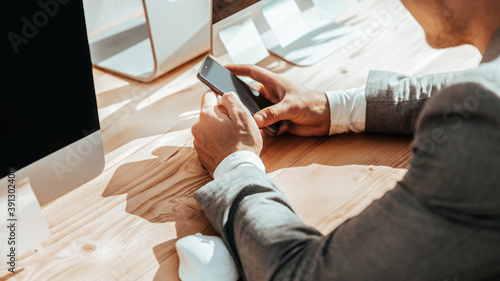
x: 221, y: 80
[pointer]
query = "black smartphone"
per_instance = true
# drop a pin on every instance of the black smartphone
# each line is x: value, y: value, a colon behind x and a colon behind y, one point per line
x: 221, y: 80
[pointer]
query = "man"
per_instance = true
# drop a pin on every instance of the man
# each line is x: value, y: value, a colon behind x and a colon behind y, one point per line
x: 441, y: 222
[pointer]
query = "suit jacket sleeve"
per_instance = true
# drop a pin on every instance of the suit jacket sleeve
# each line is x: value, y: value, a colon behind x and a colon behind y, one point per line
x: 394, y: 101
x: 441, y: 222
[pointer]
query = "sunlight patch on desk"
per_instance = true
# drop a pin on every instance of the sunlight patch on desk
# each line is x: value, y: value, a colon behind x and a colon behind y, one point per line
x: 346, y: 192
x: 181, y: 138
x: 112, y: 83
x: 117, y: 155
x: 168, y: 90
x: 190, y: 114
x: 105, y: 112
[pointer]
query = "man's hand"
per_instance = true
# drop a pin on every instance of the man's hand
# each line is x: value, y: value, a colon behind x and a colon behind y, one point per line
x: 224, y: 129
x: 308, y: 111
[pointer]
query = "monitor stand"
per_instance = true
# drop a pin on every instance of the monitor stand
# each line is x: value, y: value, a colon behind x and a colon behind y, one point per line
x: 153, y: 38
x: 313, y: 46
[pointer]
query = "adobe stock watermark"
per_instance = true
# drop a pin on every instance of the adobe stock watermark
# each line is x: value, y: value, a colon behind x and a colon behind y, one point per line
x: 454, y: 118
x: 31, y: 26
x: 380, y: 19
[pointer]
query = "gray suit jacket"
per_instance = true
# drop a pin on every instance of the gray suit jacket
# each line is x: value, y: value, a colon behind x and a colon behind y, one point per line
x: 441, y: 222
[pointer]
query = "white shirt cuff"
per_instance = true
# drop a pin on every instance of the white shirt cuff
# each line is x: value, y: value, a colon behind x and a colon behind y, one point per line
x: 237, y: 159
x: 347, y: 110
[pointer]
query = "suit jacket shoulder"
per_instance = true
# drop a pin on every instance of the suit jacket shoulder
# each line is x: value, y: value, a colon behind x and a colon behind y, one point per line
x: 456, y: 151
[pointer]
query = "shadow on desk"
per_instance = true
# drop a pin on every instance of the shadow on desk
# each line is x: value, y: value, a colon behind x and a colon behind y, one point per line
x: 341, y: 174
x: 160, y: 190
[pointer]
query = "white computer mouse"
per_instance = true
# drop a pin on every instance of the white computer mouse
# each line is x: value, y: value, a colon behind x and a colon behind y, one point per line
x: 205, y: 258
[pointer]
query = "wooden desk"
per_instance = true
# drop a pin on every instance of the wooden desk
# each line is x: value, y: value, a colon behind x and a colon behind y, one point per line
x: 123, y: 224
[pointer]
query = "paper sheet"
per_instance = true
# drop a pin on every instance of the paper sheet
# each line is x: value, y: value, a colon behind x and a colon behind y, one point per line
x: 243, y: 43
x: 329, y: 9
x: 286, y: 20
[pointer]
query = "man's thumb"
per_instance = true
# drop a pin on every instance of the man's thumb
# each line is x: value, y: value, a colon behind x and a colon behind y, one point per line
x: 270, y: 115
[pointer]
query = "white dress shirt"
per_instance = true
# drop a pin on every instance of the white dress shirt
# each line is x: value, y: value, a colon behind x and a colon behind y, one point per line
x: 347, y: 113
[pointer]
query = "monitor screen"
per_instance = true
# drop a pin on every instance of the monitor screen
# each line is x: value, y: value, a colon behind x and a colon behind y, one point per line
x: 47, y: 97
x: 222, y: 9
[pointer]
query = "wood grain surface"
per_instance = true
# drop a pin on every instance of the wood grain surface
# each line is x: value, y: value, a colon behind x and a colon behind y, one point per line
x: 123, y: 224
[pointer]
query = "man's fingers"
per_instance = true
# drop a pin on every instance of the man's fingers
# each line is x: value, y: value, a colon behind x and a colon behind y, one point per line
x: 264, y: 92
x: 211, y: 107
x: 271, y: 115
x: 209, y: 100
x: 194, y: 130
x: 273, y: 85
x: 231, y: 102
x: 257, y: 87
x: 220, y: 108
x: 284, y: 127
x: 223, y: 110
x: 257, y: 73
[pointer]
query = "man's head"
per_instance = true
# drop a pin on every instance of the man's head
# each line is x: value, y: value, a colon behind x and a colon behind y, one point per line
x: 450, y: 23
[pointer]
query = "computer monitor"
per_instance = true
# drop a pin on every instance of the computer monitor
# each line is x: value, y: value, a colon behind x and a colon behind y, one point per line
x: 292, y: 30
x: 49, y: 127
